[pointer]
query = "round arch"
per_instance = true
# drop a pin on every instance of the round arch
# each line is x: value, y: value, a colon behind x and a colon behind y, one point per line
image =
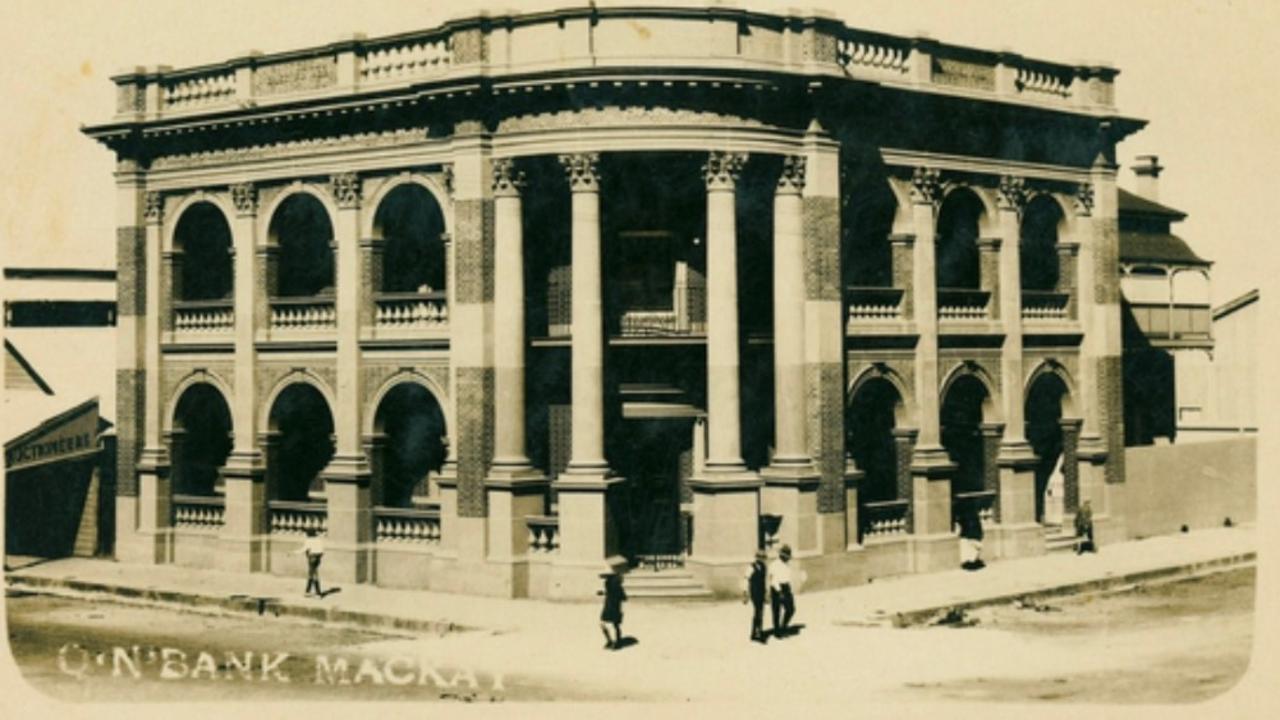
x: 195, y: 377
x: 201, y: 239
x: 1051, y: 366
x: 966, y: 406
x: 200, y: 439
x: 874, y: 410
x: 409, y: 442
x: 969, y: 368
x: 369, y: 227
x: 294, y: 377
x: 301, y: 225
x: 1040, y: 232
x: 218, y: 200
x: 399, y: 378
x: 963, y: 218
x: 904, y: 410
x: 267, y: 212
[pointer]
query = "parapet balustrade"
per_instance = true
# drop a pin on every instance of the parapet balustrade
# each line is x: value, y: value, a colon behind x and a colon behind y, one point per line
x: 203, y: 316
x: 963, y: 304
x: 874, y: 53
x: 303, y: 314
x: 544, y: 534
x: 200, y: 90
x: 288, y: 517
x: 874, y: 303
x: 885, y: 518
x: 412, y: 58
x: 1045, y: 305
x: 199, y: 511
x: 411, y: 310
x: 419, y: 526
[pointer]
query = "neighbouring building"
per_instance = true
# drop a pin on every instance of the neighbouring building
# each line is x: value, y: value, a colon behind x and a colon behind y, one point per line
x: 504, y: 303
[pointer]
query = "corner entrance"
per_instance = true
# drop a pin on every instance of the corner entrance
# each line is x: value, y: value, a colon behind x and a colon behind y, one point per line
x: 654, y: 459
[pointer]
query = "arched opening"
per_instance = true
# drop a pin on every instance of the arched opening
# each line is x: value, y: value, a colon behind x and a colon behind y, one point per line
x: 868, y: 212
x: 411, y: 225
x: 200, y: 442
x: 869, y: 423
x: 203, y: 239
x: 1044, y: 432
x: 1038, y: 245
x: 300, y: 228
x: 409, y: 444
x: 958, y: 264
x: 962, y: 417
x: 301, y: 444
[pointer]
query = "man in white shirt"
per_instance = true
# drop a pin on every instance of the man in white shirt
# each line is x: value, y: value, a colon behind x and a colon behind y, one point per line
x: 780, y: 595
x: 313, y: 548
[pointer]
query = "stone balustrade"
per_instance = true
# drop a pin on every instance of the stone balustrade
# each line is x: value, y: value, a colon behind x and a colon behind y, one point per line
x: 198, y: 91
x: 297, y: 518
x: 885, y: 519
x: 303, y: 314
x: 1044, y: 79
x: 203, y: 317
x: 420, y: 526
x: 874, y: 53
x: 544, y: 534
x: 198, y: 511
x: 405, y: 59
x: 874, y: 303
x: 411, y: 310
x: 1045, y: 305
x: 956, y: 304
x: 984, y: 502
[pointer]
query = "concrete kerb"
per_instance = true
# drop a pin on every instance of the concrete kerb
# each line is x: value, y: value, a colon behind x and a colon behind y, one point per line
x: 919, y: 616
x: 239, y: 605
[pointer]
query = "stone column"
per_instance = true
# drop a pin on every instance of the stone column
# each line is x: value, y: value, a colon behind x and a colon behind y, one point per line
x: 1020, y: 533
x: 791, y: 480
x: 1070, y: 470
x: 726, y: 504
x: 130, y: 357
x: 515, y: 488
x: 903, y: 249
x: 154, y: 492
x: 242, y: 542
x: 346, y: 479
x: 991, y: 275
x: 1068, y: 258
x: 583, y: 489
x: 931, y: 467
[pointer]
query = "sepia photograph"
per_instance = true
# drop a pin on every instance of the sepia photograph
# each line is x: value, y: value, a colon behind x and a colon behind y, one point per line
x: 587, y: 357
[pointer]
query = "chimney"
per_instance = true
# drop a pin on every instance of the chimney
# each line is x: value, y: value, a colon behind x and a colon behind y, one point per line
x: 1148, y: 168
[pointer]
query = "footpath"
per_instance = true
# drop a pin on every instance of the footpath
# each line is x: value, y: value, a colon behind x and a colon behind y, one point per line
x: 897, y: 601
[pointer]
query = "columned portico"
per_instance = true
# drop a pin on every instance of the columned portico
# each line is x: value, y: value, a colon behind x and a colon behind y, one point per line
x: 242, y: 541
x: 583, y: 490
x: 726, y: 497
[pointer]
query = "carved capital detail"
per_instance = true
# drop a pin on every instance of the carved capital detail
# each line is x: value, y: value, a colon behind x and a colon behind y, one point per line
x: 791, y: 180
x: 1084, y: 199
x: 508, y: 178
x: 345, y: 188
x: 582, y: 171
x: 1011, y: 193
x: 245, y: 197
x: 722, y: 169
x: 153, y: 207
x: 926, y: 186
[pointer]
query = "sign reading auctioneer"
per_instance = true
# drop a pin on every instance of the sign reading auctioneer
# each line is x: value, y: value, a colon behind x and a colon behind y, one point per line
x: 66, y: 436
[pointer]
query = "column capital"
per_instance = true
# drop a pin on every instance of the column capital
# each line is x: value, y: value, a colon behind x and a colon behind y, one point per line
x: 1011, y: 193
x: 508, y: 178
x: 1083, y: 199
x: 722, y: 169
x: 791, y: 179
x: 582, y: 171
x: 245, y: 197
x: 345, y: 188
x: 153, y: 208
x: 926, y: 186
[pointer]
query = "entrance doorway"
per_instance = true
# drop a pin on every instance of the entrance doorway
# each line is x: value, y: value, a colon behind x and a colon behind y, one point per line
x: 652, y: 533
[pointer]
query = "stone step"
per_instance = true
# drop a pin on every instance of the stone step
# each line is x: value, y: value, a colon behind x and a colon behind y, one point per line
x: 670, y: 583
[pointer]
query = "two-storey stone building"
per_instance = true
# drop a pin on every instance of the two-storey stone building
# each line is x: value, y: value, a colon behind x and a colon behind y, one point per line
x: 503, y: 303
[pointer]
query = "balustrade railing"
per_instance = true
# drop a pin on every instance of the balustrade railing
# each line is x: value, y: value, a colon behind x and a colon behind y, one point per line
x: 1044, y: 305
x: 199, y: 511
x: 198, y: 90
x: 211, y: 316
x: 885, y: 519
x: 544, y: 534
x: 874, y: 303
x: 303, y: 314
x: 289, y: 517
x: 411, y: 310
x: 963, y: 304
x: 419, y: 526
x: 875, y: 53
x: 982, y: 502
x: 1044, y: 79
x: 413, y: 58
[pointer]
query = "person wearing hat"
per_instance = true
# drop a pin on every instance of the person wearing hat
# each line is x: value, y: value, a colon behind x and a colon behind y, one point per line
x: 611, y: 614
x: 780, y: 596
x: 754, y: 582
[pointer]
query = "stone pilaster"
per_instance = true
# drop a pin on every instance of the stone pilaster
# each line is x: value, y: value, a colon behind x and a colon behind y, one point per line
x: 726, y: 496
x: 902, y: 247
x: 130, y: 360
x: 1070, y: 469
x: 791, y: 480
x: 989, y: 274
x: 154, y: 467
x: 1011, y: 199
x: 242, y: 541
x: 348, y: 549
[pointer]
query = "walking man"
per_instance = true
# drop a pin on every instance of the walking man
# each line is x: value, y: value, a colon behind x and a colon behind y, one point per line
x: 755, y: 581
x: 611, y: 613
x: 313, y: 548
x: 1084, y: 529
x: 782, y: 600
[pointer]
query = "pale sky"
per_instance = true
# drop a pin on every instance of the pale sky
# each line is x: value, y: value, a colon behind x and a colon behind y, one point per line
x: 1199, y: 71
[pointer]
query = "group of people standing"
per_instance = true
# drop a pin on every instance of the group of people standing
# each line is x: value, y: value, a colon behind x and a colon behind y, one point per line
x: 776, y: 578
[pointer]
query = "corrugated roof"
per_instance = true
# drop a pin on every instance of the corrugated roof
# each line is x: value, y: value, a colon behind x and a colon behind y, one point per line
x: 1157, y: 247
x: 1131, y: 203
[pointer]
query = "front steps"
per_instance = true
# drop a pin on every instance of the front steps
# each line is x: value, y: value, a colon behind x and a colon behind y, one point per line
x: 1059, y: 538
x: 675, y: 583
